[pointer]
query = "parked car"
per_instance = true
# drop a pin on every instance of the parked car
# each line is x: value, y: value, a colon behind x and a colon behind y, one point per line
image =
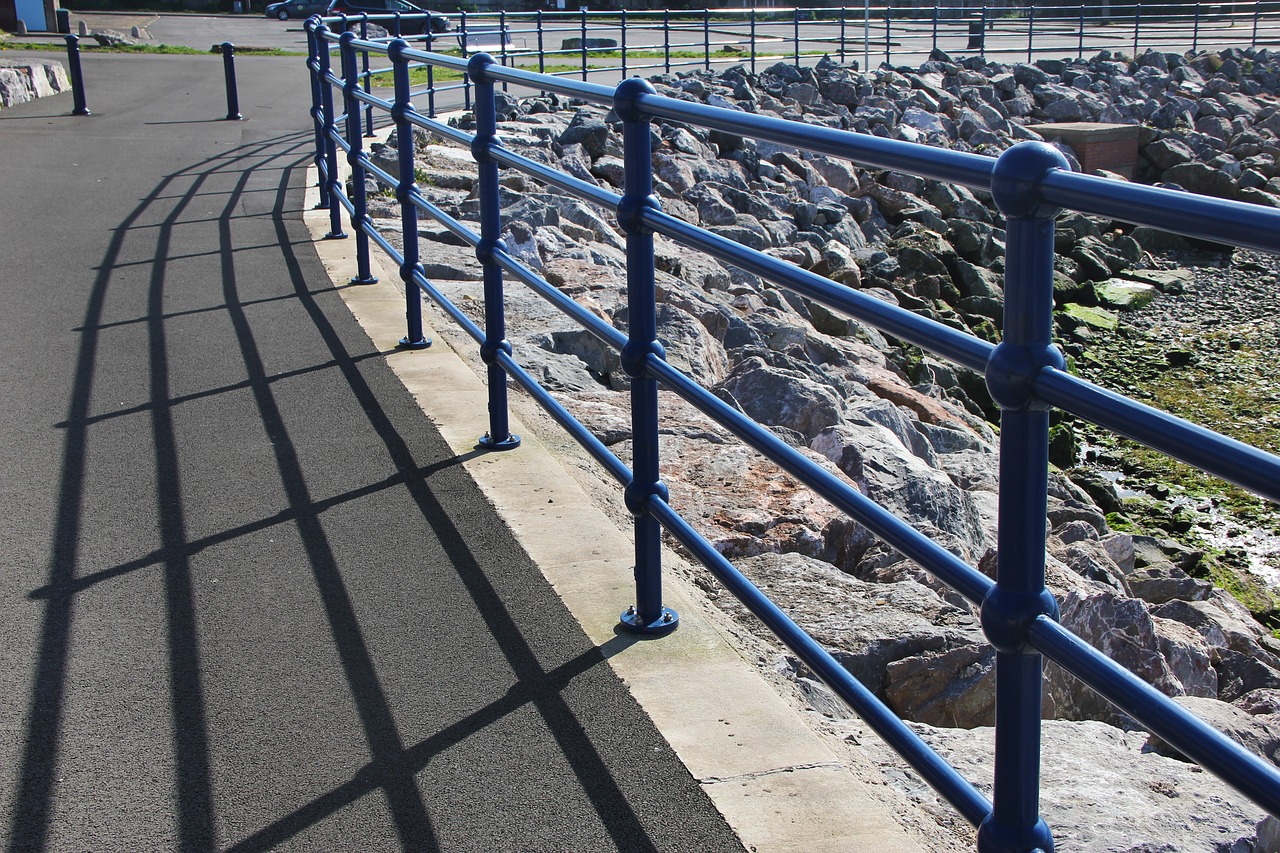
x: 296, y: 9
x: 439, y: 23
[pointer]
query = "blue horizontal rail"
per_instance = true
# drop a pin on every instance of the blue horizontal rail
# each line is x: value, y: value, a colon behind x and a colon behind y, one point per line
x: 1025, y: 374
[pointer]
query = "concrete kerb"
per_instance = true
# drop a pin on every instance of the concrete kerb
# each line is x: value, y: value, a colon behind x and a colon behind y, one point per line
x: 776, y: 782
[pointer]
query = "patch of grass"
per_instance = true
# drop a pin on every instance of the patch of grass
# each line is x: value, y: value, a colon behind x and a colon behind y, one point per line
x: 89, y: 46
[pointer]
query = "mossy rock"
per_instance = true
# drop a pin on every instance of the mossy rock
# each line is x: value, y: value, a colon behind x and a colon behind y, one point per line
x: 1075, y: 314
x: 1125, y: 295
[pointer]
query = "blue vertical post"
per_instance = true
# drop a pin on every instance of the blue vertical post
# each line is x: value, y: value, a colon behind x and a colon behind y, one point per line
x: 1137, y: 21
x: 982, y: 45
x: 462, y: 43
x: 706, y: 39
x: 355, y: 143
x: 1031, y: 28
x: 78, y: 107
x: 431, y: 77
x: 1195, y: 32
x: 666, y: 40
x: 623, y: 43
x: 888, y: 27
x: 229, y: 75
x: 364, y: 76
x: 1080, y: 44
x: 406, y: 189
x: 542, y: 57
x: 1019, y: 597
x: 648, y: 616
x: 499, y: 436
x: 935, y: 26
x: 843, y: 12
x: 583, y: 45
x: 502, y: 41
x: 795, y: 36
x: 1257, y: 7
x: 395, y: 25
x: 330, y: 147
x: 753, y: 39
x: 317, y: 114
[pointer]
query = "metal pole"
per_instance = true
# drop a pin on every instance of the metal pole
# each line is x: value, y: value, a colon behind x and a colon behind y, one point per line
x: 843, y: 13
x: 1080, y: 46
x: 584, y: 42
x: 466, y: 79
x: 888, y: 24
x: 78, y: 107
x: 648, y: 616
x: 666, y: 40
x: 406, y: 190
x: 317, y: 114
x: 1195, y: 33
x: 706, y: 38
x: 431, y: 76
x: 982, y: 45
x: 1257, y: 5
x: 1031, y: 28
x: 360, y: 214
x: 1137, y: 21
x: 1019, y: 598
x: 330, y: 147
x: 623, y: 42
x: 542, y: 57
x: 229, y: 73
x: 866, y: 34
x: 364, y: 68
x: 935, y: 26
x: 795, y: 35
x: 753, y: 39
x: 495, y: 331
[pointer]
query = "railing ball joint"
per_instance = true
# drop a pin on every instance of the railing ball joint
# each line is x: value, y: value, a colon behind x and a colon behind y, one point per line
x: 404, y: 193
x: 489, y: 351
x: 1012, y: 369
x: 630, y: 209
x: 1016, y: 179
x: 1007, y: 617
x: 487, y: 248
x: 636, y: 353
x: 477, y: 65
x: 636, y: 496
x: 626, y: 98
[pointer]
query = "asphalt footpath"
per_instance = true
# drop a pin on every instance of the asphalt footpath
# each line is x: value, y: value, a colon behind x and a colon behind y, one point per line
x: 250, y: 598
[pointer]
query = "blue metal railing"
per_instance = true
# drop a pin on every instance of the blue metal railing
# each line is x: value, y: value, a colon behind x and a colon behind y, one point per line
x: 661, y: 41
x: 1025, y: 374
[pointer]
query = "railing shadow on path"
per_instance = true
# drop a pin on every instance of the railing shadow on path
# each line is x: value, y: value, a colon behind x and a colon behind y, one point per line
x: 488, y: 576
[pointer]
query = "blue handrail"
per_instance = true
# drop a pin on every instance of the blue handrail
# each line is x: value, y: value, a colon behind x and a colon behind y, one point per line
x: 1025, y: 374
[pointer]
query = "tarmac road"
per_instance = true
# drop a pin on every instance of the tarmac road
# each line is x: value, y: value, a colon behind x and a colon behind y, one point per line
x: 250, y: 599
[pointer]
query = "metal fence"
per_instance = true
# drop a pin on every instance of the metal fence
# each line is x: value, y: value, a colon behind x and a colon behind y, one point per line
x: 616, y: 45
x: 1025, y: 373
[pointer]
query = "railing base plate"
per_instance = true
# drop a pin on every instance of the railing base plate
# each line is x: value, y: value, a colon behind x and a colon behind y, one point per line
x: 405, y: 343
x: 511, y: 442
x: 666, y: 622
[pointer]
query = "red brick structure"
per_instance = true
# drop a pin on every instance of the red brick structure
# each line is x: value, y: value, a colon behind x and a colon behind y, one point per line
x: 1113, y: 147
